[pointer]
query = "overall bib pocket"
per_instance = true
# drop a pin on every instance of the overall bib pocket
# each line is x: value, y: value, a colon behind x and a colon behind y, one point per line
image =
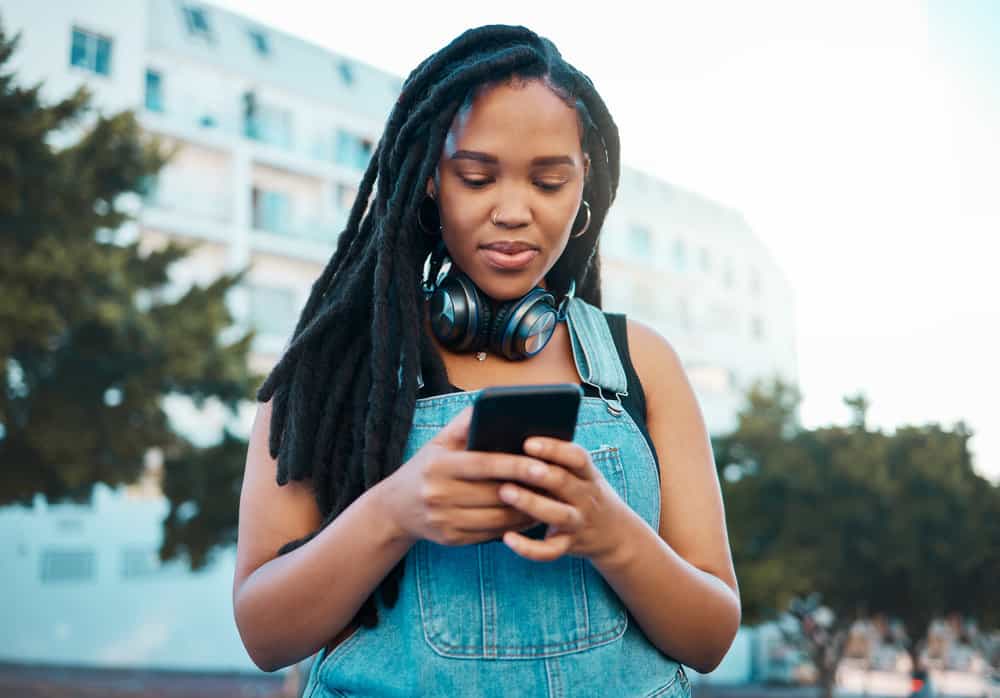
x: 327, y: 659
x: 677, y: 687
x: 485, y: 602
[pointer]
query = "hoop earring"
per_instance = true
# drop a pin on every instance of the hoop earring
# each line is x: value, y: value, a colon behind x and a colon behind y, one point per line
x: 586, y: 225
x: 429, y: 232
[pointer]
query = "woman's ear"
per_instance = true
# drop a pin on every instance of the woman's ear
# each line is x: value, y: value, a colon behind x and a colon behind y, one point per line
x: 431, y: 189
x: 586, y: 166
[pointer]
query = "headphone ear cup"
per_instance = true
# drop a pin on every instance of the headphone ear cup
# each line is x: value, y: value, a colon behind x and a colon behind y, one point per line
x: 456, y: 312
x: 515, y: 319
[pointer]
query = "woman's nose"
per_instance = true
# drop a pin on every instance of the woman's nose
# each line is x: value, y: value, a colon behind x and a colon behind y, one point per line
x: 511, y: 212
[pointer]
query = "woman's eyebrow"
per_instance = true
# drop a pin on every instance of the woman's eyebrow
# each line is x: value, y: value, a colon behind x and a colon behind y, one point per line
x: 551, y: 160
x: 474, y: 155
x: 545, y: 161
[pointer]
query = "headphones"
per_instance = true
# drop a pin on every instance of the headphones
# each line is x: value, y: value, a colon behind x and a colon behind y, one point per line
x: 465, y: 319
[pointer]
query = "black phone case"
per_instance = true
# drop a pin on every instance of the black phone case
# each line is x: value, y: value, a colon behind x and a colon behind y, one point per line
x: 504, y: 416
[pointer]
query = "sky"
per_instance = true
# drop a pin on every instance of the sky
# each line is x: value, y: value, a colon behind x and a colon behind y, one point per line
x: 860, y: 140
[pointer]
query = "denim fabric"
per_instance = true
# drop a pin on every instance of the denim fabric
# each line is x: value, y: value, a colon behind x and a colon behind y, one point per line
x: 478, y: 620
x: 600, y: 369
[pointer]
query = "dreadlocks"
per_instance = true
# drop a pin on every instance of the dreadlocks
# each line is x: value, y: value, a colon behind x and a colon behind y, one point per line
x: 344, y: 391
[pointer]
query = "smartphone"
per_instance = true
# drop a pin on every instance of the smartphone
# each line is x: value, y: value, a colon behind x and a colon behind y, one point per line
x: 504, y: 416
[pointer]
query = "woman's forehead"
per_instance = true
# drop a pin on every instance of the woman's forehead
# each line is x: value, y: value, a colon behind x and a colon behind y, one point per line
x: 517, y: 119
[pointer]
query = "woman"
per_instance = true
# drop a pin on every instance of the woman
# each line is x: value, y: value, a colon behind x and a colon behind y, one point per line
x: 368, y: 533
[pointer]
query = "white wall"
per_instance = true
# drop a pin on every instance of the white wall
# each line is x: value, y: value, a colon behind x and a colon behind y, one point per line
x: 49, y: 59
x: 168, y: 619
x: 707, y: 313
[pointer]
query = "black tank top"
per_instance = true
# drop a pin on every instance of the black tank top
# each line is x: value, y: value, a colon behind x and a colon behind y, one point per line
x: 634, y: 403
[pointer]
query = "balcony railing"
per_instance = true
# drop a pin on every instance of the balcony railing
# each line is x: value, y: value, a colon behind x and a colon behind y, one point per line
x: 329, y: 147
x: 316, y: 229
x: 192, y: 201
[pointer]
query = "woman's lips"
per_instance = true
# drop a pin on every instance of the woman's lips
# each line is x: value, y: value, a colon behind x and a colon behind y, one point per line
x: 507, y: 257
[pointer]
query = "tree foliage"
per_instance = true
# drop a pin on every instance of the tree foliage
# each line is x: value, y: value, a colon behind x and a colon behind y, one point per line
x: 871, y: 522
x: 93, y: 336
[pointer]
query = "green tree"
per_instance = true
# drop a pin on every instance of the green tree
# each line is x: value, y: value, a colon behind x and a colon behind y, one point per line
x: 92, y: 338
x: 939, y: 546
x: 854, y: 520
x: 799, y: 512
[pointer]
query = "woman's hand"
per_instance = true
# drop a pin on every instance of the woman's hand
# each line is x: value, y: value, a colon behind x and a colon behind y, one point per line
x: 449, y: 495
x: 583, y: 511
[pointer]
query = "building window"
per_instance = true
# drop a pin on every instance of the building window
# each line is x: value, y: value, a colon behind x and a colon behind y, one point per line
x: 197, y: 22
x: 91, y: 52
x: 680, y: 255
x: 154, y: 90
x: 140, y: 562
x: 346, y: 72
x: 641, y: 241
x: 67, y: 565
x: 149, y: 186
x: 273, y: 310
x: 260, y: 42
x: 250, y: 114
x: 272, y: 211
x: 351, y: 150
x: 70, y: 525
x: 266, y: 123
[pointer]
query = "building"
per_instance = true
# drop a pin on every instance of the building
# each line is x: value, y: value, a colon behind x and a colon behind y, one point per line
x: 693, y: 270
x: 273, y: 134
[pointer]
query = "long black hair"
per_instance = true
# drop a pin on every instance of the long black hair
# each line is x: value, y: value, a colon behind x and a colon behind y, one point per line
x: 344, y: 391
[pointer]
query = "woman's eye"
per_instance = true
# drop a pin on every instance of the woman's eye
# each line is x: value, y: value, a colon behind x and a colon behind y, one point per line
x: 475, y: 183
x: 550, y: 186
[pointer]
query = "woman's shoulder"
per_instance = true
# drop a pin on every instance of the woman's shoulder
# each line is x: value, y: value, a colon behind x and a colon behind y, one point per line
x: 646, y: 340
x: 645, y: 344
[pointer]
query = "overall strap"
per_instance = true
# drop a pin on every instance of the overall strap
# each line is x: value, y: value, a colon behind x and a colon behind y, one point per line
x: 595, y: 354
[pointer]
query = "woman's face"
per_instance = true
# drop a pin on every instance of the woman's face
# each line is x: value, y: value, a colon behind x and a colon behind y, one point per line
x: 510, y: 181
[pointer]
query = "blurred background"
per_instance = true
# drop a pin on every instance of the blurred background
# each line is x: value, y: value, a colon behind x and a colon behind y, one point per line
x: 808, y: 212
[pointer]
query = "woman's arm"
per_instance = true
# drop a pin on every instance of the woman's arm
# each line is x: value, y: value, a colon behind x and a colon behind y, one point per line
x: 287, y: 607
x: 679, y: 585
x: 677, y: 581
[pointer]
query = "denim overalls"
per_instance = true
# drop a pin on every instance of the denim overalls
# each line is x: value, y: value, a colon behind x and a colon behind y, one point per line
x: 478, y: 620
